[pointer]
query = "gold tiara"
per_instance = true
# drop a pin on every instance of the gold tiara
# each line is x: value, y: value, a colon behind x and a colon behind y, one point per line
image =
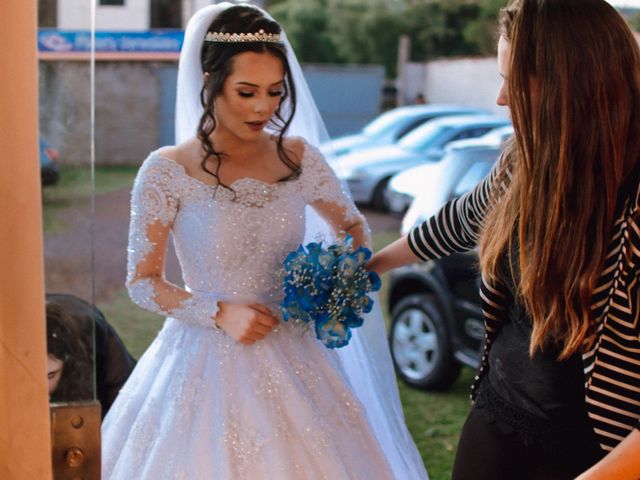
x: 260, y: 36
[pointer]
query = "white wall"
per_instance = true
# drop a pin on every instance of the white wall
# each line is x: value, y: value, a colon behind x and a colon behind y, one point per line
x: 76, y: 14
x: 472, y: 82
x: 133, y: 15
x: 468, y: 81
x: 414, y: 78
x: 189, y: 7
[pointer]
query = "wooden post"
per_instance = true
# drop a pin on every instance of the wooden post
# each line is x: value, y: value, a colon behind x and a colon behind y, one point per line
x: 25, y: 445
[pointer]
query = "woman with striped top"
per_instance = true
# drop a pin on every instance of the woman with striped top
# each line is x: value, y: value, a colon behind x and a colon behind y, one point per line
x: 558, y: 229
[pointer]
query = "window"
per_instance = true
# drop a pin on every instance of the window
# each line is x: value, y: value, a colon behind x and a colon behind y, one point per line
x: 471, y: 133
x: 48, y: 13
x: 166, y: 14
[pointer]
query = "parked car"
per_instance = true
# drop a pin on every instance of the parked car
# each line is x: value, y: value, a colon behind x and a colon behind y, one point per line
x: 437, y: 325
x: 476, y: 157
x: 439, y: 180
x: 367, y: 172
x: 390, y: 126
x: 49, y: 170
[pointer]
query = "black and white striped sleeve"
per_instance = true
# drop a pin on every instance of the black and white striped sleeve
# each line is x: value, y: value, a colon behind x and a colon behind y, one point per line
x: 456, y: 227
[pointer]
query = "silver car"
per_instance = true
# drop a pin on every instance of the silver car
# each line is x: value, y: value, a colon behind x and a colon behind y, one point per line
x: 367, y: 172
x: 390, y: 126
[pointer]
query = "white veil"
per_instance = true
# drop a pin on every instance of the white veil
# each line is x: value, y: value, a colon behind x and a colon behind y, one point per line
x: 366, y: 360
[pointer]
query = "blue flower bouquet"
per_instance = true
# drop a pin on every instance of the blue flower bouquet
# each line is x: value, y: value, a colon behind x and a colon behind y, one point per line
x: 327, y: 288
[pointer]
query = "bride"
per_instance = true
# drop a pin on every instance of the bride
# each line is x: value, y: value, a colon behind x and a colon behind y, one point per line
x: 228, y: 390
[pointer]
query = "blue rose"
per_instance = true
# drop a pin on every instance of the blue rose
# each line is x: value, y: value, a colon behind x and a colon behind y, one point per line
x: 331, y: 333
x: 374, y: 280
x: 329, y: 286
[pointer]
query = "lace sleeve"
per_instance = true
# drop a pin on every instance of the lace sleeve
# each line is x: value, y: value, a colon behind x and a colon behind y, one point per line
x: 155, y: 203
x: 326, y: 194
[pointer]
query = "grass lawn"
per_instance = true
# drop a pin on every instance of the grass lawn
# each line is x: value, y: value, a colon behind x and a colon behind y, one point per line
x: 74, y: 189
x: 434, y: 418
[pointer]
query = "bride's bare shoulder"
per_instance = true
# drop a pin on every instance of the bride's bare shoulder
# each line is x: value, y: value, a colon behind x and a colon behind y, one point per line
x: 187, y: 153
x: 295, y: 146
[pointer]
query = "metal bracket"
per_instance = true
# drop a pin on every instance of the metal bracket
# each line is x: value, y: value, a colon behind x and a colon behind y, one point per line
x: 75, y: 440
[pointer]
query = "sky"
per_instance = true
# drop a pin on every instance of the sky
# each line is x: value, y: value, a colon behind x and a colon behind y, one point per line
x: 625, y: 3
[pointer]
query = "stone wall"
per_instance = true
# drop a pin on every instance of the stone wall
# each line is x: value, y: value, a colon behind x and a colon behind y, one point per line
x: 127, y: 112
x: 65, y: 109
x: 127, y: 115
x: 135, y: 104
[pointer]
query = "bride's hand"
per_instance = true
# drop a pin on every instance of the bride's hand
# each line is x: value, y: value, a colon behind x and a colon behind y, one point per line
x: 245, y: 323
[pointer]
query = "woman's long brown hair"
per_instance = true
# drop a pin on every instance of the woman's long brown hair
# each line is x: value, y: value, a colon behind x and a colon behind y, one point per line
x: 574, y: 95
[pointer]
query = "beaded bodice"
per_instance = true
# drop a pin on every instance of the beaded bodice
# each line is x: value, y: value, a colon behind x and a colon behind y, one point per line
x: 230, y: 242
x: 238, y: 239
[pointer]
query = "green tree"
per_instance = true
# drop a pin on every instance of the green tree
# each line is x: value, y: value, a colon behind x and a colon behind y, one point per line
x: 367, y: 31
x: 307, y: 25
x: 634, y: 21
x: 448, y: 29
x: 483, y: 31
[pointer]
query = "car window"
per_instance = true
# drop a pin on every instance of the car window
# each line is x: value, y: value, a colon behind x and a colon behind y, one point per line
x: 410, y: 126
x: 476, y: 172
x: 471, y: 133
x: 423, y: 137
x: 387, y: 122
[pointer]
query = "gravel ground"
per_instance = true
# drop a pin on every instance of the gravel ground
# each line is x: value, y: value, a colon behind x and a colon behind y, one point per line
x: 68, y: 255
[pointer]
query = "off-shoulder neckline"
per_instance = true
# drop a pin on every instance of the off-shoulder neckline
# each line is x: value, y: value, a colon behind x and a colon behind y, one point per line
x: 239, y: 180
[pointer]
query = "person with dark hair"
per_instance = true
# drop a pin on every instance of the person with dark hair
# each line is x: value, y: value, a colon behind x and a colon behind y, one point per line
x: 228, y: 390
x: 69, y: 366
x: 557, y: 222
x: 84, y: 326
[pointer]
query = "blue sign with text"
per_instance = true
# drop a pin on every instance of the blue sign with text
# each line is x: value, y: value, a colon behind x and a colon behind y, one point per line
x: 60, y: 41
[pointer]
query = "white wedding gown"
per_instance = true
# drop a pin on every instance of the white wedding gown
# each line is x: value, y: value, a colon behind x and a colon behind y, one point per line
x: 199, y: 405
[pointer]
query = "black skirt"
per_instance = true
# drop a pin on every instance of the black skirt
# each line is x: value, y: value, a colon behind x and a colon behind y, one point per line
x: 514, y: 445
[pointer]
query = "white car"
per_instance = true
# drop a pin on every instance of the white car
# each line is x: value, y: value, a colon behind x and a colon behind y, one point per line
x: 407, y: 185
x: 461, y: 169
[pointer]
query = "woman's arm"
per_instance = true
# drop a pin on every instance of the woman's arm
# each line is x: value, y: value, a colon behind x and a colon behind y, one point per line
x: 345, y: 219
x: 622, y: 463
x: 394, y: 255
x: 324, y: 192
x: 154, y: 206
x: 455, y: 228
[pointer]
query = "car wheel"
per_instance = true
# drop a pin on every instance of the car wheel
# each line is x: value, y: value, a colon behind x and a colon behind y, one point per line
x: 378, y: 201
x: 421, y: 344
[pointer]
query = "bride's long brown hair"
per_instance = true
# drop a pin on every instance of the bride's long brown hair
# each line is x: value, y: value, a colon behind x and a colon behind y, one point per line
x: 577, y: 141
